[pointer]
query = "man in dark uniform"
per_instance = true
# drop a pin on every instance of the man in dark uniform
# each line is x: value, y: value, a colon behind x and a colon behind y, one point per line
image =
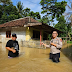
x: 55, y: 46
x: 13, y: 46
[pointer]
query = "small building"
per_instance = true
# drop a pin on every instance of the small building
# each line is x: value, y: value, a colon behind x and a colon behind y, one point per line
x: 27, y: 29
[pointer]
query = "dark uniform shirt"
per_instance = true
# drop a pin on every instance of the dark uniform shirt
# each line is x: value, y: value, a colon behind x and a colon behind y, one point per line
x: 14, y: 45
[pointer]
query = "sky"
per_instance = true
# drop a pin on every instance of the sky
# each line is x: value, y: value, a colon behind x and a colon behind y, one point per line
x: 35, y: 6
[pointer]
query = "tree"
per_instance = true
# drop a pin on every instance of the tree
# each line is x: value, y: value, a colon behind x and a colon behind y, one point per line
x: 37, y: 15
x: 68, y: 17
x: 61, y: 25
x: 8, y: 13
x: 20, y: 7
x: 52, y: 8
x: 1, y: 11
x: 34, y: 15
x: 27, y: 12
x: 5, y: 2
x: 44, y: 20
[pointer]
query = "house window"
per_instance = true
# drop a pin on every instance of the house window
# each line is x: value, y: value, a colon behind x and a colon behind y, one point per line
x: 36, y: 34
x: 44, y: 36
x: 8, y: 34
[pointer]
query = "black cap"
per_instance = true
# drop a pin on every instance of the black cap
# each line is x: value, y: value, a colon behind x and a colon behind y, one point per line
x: 14, y: 35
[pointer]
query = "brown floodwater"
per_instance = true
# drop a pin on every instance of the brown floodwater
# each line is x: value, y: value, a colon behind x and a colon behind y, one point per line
x: 32, y: 60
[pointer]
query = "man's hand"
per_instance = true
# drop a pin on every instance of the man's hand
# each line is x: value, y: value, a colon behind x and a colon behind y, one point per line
x: 53, y: 44
x: 11, y: 49
x: 43, y: 44
x: 14, y: 51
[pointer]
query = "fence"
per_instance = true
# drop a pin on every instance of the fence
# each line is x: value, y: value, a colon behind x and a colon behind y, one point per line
x: 31, y: 44
x: 36, y: 44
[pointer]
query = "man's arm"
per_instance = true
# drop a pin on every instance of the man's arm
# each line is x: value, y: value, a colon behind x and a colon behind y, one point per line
x: 10, y: 49
x: 45, y: 45
x: 53, y: 44
x: 58, y: 45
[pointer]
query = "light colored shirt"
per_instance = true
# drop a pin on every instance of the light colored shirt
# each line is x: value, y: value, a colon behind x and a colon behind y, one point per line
x: 58, y: 42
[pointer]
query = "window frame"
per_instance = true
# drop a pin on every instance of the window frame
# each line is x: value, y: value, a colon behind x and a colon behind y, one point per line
x: 36, y: 35
x: 8, y: 32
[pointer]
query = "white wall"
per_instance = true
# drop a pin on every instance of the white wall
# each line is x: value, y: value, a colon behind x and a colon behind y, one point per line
x: 3, y: 33
x: 20, y: 31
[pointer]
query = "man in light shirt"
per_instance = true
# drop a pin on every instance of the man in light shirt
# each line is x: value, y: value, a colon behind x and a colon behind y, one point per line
x: 55, y: 46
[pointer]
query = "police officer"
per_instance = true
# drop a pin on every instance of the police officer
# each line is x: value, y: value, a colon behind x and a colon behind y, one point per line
x: 55, y: 46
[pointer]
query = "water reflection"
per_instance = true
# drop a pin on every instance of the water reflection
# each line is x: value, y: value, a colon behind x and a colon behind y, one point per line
x: 68, y: 52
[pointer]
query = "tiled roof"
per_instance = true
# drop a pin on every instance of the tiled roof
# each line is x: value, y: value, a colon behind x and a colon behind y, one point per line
x: 18, y: 22
x: 28, y: 21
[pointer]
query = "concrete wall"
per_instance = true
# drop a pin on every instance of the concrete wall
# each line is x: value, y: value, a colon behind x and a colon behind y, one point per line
x: 20, y: 31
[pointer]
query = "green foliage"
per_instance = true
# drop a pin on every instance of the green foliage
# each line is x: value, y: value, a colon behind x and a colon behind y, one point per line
x: 68, y: 28
x: 61, y: 25
x: 60, y: 8
x: 20, y: 7
x: 10, y: 12
x: 44, y: 20
x: 5, y: 2
x: 27, y: 12
x: 52, y: 8
x: 69, y: 41
x: 35, y: 15
x: 1, y: 11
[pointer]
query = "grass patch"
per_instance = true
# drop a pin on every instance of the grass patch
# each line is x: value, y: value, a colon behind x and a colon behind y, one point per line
x: 69, y: 41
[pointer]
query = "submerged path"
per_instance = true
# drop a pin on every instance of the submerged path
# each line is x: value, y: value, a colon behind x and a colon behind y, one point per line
x: 33, y: 60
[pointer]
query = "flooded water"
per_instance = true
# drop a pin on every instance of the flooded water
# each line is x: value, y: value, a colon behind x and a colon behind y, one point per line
x: 32, y: 60
x: 67, y: 51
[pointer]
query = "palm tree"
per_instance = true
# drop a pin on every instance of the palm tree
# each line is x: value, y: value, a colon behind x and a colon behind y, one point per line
x: 20, y: 7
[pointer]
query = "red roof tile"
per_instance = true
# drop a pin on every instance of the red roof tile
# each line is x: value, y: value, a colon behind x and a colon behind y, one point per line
x: 18, y: 22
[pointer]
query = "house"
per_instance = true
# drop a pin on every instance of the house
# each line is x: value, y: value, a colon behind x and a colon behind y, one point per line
x: 27, y: 29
